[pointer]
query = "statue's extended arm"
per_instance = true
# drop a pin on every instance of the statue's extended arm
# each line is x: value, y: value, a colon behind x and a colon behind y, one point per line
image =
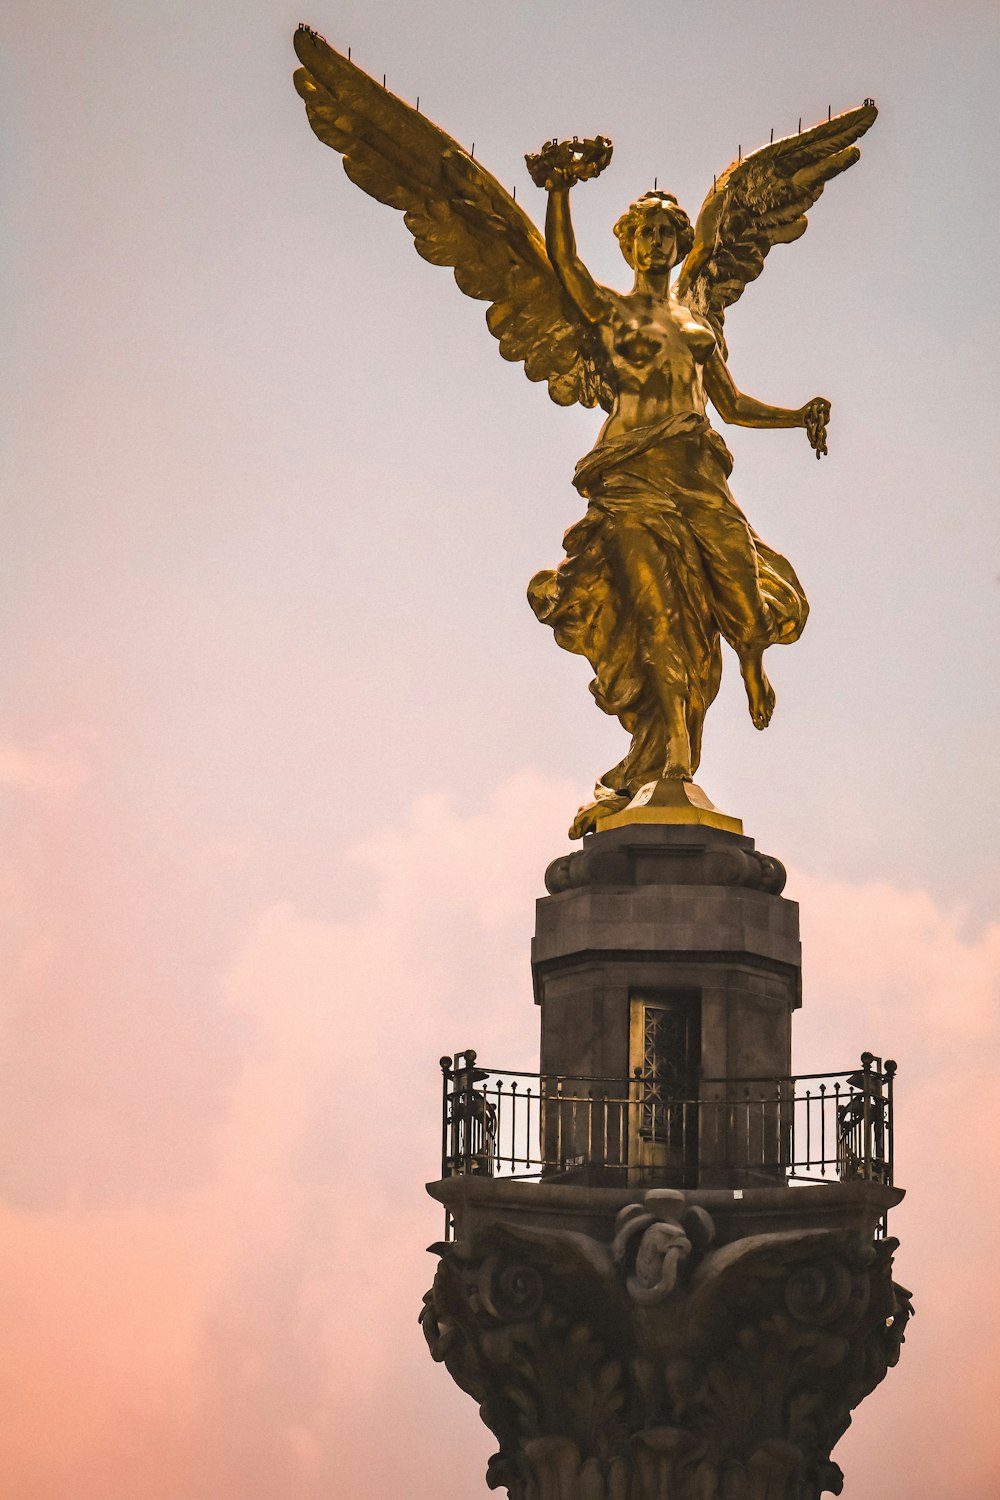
x: 745, y: 411
x: 555, y: 168
x: 560, y: 242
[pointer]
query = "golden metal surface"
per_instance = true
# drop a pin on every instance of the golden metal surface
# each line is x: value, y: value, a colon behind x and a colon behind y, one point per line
x: 664, y: 565
x: 664, y: 801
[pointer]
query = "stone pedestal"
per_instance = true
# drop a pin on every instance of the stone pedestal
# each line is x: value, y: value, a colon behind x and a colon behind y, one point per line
x: 665, y: 1345
x: 670, y: 950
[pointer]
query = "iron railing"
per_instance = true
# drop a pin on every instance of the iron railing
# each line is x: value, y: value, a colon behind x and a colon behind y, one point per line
x: 817, y: 1127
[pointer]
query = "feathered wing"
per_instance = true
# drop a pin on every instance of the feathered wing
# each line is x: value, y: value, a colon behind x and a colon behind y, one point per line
x: 458, y: 214
x: 761, y: 201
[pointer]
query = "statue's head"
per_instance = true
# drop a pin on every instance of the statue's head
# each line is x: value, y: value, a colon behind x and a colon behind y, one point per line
x: 645, y: 231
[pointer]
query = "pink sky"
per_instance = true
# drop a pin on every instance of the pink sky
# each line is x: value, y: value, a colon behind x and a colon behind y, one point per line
x: 283, y: 754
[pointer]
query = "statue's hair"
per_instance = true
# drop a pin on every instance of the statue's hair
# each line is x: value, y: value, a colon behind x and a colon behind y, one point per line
x: 654, y: 202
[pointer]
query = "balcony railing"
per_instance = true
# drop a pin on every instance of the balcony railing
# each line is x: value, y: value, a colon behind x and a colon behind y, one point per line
x: 818, y: 1127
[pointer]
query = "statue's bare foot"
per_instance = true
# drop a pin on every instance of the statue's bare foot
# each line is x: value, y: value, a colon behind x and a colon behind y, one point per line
x: 760, y: 693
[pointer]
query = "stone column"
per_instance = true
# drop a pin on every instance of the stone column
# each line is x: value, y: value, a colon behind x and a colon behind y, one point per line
x: 642, y: 1323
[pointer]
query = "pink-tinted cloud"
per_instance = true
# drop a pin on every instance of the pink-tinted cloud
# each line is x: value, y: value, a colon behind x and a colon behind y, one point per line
x: 888, y: 970
x: 248, y: 1331
x: 54, y: 767
x: 251, y: 1332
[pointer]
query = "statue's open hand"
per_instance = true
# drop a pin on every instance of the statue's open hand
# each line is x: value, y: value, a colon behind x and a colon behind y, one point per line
x: 815, y: 415
x: 561, y: 163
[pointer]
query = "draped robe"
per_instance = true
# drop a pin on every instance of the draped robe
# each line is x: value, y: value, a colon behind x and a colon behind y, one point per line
x: 715, y: 577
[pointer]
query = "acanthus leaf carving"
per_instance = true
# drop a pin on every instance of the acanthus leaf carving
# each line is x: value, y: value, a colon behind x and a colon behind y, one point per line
x: 662, y: 1367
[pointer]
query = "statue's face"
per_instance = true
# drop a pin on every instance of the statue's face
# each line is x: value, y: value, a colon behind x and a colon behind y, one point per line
x: 654, y: 243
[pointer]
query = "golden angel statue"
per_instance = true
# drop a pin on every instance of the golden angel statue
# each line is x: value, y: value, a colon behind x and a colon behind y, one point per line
x: 664, y: 563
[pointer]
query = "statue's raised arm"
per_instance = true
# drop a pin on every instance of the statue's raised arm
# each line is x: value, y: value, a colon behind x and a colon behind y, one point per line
x: 556, y: 168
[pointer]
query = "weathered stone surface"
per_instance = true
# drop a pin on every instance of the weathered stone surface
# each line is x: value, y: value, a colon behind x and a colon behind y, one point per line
x: 660, y: 910
x: 666, y: 855
x: 665, y: 1345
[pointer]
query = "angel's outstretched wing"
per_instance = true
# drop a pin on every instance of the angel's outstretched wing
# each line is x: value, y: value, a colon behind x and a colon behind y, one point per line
x: 760, y: 201
x: 458, y: 214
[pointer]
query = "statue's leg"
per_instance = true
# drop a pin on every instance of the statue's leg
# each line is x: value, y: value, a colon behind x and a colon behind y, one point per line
x: 640, y: 576
x: 744, y: 617
x: 698, y: 702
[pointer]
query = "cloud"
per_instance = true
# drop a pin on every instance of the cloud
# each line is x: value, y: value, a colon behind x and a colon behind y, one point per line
x: 57, y: 766
x: 251, y: 1332
x: 888, y: 970
x: 242, y: 1335
x: 909, y: 972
